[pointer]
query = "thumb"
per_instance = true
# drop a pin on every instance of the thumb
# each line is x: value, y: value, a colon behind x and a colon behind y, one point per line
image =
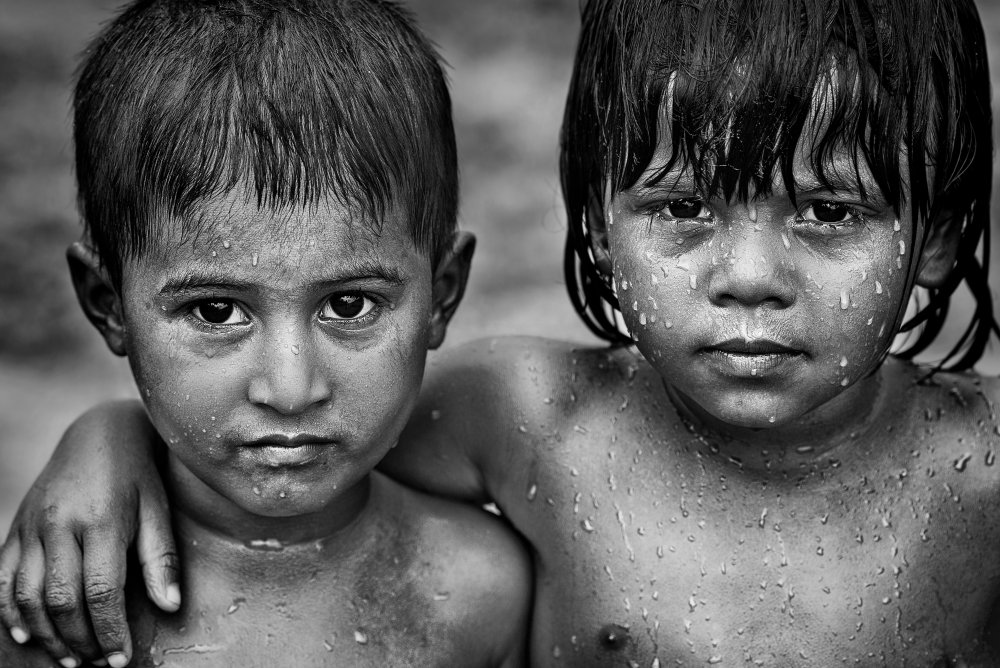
x: 158, y: 553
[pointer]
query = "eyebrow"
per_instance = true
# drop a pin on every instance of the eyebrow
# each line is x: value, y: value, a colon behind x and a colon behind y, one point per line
x: 345, y: 272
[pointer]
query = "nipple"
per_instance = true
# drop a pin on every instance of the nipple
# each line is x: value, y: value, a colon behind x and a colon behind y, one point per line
x: 613, y: 637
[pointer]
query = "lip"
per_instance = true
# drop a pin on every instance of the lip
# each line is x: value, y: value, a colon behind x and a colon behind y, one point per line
x: 755, y: 358
x: 282, y: 450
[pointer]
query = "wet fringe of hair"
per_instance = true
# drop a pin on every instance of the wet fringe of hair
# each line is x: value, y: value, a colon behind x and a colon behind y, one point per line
x: 741, y: 77
x: 181, y: 101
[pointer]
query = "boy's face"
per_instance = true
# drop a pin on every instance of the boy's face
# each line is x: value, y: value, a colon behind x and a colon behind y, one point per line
x: 279, y: 356
x: 756, y: 314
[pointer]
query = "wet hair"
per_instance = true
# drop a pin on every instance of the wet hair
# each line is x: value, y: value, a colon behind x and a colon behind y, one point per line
x: 178, y: 102
x: 737, y: 81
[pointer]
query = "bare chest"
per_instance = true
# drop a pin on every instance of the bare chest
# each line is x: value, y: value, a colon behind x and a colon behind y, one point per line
x: 646, y: 564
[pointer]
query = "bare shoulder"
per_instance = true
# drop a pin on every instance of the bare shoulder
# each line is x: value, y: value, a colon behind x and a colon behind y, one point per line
x: 953, y: 424
x: 474, y: 570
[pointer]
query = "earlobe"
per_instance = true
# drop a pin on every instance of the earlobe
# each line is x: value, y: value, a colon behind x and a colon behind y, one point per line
x: 98, y: 298
x: 937, y: 259
x: 450, y: 279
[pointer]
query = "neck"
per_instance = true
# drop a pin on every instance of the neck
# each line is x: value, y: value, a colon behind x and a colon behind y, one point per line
x: 206, y: 512
x: 811, y: 443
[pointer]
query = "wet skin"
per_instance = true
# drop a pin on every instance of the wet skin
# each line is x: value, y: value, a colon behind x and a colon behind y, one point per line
x: 749, y: 484
x: 651, y: 545
x: 279, y: 357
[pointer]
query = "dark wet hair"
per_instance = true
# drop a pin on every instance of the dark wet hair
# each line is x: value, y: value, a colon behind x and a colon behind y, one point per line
x: 181, y: 101
x: 741, y: 75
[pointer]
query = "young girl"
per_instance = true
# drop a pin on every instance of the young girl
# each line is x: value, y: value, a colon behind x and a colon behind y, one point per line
x: 756, y: 191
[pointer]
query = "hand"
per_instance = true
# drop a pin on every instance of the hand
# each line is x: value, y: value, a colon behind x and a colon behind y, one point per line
x: 66, y: 551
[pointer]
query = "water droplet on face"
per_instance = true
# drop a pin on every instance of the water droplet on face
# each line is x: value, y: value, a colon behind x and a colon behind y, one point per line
x: 442, y: 596
x: 556, y: 652
x: 587, y: 525
x: 435, y: 414
x: 282, y: 494
x: 295, y: 349
x: 253, y: 260
x: 624, y: 285
x: 360, y: 637
x: 843, y: 361
x: 694, y: 282
x: 961, y: 462
x: 902, y: 247
x: 256, y: 490
x: 990, y: 458
x: 667, y: 324
x: 895, y: 226
x: 532, y: 491
x: 215, y: 254
x: 819, y: 550
x: 613, y: 636
x: 784, y: 240
x: 845, y: 300
x: 771, y: 419
x: 642, y: 319
x: 226, y: 244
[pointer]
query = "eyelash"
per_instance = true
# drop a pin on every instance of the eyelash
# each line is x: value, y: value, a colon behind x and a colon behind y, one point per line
x: 660, y: 212
x: 370, y: 312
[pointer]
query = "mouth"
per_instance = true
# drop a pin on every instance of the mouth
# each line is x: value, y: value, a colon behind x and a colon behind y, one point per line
x: 282, y: 450
x: 754, y: 358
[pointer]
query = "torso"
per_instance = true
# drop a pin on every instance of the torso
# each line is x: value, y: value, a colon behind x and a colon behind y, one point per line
x: 394, y: 597
x: 650, y: 551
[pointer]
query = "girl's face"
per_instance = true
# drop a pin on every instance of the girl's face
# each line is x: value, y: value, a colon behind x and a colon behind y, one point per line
x: 756, y: 313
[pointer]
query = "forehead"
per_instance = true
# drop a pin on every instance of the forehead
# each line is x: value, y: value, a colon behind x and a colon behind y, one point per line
x: 235, y: 224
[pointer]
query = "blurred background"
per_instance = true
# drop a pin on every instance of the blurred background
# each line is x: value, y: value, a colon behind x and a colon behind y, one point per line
x: 509, y: 69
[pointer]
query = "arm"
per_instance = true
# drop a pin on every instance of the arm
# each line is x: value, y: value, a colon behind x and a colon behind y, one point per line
x: 68, y: 542
x: 458, y: 435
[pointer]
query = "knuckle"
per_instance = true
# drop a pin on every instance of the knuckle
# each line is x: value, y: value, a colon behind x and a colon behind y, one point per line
x: 29, y: 598
x: 101, y: 593
x: 61, y: 600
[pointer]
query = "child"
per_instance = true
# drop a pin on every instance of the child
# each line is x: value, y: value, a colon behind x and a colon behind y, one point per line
x: 754, y: 188
x: 270, y: 195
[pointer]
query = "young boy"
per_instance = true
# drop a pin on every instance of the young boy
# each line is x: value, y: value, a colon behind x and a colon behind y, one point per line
x: 270, y: 196
x: 754, y: 189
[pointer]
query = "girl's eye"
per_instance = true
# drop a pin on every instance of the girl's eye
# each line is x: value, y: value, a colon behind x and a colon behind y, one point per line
x: 219, y: 312
x: 830, y: 213
x: 347, y: 306
x: 686, y: 208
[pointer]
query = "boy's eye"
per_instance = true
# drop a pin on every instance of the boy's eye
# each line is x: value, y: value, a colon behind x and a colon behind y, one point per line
x: 219, y: 312
x: 829, y: 213
x: 686, y: 207
x: 347, y: 306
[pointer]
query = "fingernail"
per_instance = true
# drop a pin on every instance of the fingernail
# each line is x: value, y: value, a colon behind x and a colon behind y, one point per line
x: 174, y: 594
x: 19, y: 635
x: 68, y: 662
x: 117, y: 660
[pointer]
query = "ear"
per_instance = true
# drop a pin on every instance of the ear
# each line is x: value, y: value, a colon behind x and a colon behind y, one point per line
x: 937, y: 258
x: 597, y: 226
x: 98, y: 298
x: 449, y: 285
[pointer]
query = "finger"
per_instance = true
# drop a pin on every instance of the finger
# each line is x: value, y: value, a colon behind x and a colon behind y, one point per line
x: 10, y: 558
x: 158, y: 554
x: 29, y: 594
x: 104, y: 589
x: 64, y: 594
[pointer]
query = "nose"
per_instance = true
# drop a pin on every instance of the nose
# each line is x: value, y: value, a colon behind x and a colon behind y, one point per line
x: 755, y: 269
x: 289, y: 378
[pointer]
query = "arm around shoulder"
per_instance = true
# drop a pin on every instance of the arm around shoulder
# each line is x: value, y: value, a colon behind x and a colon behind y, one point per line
x: 459, y: 440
